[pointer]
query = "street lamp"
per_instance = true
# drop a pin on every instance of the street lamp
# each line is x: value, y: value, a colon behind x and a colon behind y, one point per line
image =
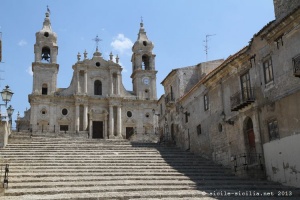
x: 10, y: 111
x: 223, y: 116
x: 6, y: 95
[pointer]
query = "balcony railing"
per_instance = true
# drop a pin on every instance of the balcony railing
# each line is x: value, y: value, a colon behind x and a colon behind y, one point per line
x: 297, y: 70
x: 248, y: 159
x: 169, y: 99
x: 242, y: 99
x: 296, y: 62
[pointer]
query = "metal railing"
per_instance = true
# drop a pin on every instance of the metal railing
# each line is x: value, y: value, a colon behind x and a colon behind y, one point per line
x: 5, y: 177
x: 242, y: 98
x: 297, y: 70
x: 248, y: 159
x: 169, y: 98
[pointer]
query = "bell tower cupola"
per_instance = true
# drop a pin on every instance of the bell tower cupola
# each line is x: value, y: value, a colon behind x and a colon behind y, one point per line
x: 143, y: 66
x: 45, y: 48
x: 45, y: 67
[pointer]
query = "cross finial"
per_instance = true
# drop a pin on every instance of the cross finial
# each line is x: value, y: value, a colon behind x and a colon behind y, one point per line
x: 142, y: 24
x: 48, y: 10
x: 97, y: 40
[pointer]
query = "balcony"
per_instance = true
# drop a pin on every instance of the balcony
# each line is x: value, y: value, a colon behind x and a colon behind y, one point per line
x: 169, y: 99
x: 242, y: 99
x: 296, y: 62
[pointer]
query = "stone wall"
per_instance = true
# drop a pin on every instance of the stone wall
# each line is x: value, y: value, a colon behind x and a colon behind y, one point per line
x: 284, y: 7
x: 281, y: 163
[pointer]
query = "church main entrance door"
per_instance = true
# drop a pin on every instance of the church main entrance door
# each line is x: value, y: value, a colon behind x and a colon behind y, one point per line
x: 98, y: 129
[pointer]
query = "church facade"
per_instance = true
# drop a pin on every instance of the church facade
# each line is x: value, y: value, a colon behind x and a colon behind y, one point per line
x: 96, y: 102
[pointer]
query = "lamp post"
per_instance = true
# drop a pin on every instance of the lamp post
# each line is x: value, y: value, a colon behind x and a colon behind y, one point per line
x: 6, y: 95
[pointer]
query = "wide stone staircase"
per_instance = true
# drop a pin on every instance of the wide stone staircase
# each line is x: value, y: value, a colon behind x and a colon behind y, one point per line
x: 54, y: 167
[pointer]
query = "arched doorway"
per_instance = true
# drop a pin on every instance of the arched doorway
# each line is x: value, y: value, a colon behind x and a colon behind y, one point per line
x: 250, y: 140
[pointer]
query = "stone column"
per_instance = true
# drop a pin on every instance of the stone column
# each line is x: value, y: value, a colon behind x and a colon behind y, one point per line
x: 112, y: 83
x: 77, y: 119
x: 85, y: 118
x: 85, y: 82
x: 78, y: 83
x: 91, y: 125
x: 105, y: 125
x: 111, y: 121
x: 33, y: 116
x: 52, y: 119
x: 119, y: 121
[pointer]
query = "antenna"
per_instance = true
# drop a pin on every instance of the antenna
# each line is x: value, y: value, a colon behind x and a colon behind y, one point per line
x: 206, y: 44
x: 0, y: 46
x: 1, y: 56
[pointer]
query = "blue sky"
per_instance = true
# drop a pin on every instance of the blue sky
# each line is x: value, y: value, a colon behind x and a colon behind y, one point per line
x: 177, y: 28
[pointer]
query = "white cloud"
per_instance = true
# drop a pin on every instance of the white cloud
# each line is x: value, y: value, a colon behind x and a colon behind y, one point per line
x: 121, y: 43
x: 22, y: 43
x: 29, y: 71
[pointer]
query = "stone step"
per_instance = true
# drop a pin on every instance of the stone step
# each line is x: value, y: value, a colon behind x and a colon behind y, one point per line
x: 43, y: 184
x: 14, y: 171
x: 114, y: 195
x: 101, y: 164
x: 124, y: 188
x: 121, y: 177
x: 13, y: 175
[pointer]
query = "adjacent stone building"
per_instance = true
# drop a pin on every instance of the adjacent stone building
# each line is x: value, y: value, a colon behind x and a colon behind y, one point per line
x: 96, y: 102
x: 245, y: 113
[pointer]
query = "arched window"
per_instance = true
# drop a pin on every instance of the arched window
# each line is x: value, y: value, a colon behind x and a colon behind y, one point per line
x: 44, y: 89
x: 97, y: 87
x: 146, y: 63
x: 46, y: 54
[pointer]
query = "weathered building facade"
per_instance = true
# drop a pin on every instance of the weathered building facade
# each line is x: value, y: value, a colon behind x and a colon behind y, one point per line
x: 245, y: 113
x: 96, y: 101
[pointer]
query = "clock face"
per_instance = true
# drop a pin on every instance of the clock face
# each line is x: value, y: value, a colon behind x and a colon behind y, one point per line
x: 146, y: 81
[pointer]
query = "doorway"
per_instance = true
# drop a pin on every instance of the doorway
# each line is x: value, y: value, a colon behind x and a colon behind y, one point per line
x: 250, y: 141
x: 129, y: 132
x: 98, y: 129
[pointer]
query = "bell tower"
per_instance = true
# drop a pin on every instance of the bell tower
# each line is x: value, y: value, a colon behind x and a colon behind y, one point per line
x: 143, y: 67
x: 45, y: 67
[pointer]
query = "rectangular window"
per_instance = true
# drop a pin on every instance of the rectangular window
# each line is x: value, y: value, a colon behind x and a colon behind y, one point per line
x: 296, y: 62
x: 44, y: 91
x: 64, y: 128
x: 161, y: 110
x: 247, y: 91
x: 273, y: 130
x: 186, y: 117
x: 268, y: 71
x: 199, y: 129
x: 206, y: 103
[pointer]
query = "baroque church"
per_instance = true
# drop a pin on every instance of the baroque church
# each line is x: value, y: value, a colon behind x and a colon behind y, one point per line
x: 96, y: 102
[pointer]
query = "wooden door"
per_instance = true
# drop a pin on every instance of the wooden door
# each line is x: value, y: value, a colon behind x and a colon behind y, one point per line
x: 98, y: 129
